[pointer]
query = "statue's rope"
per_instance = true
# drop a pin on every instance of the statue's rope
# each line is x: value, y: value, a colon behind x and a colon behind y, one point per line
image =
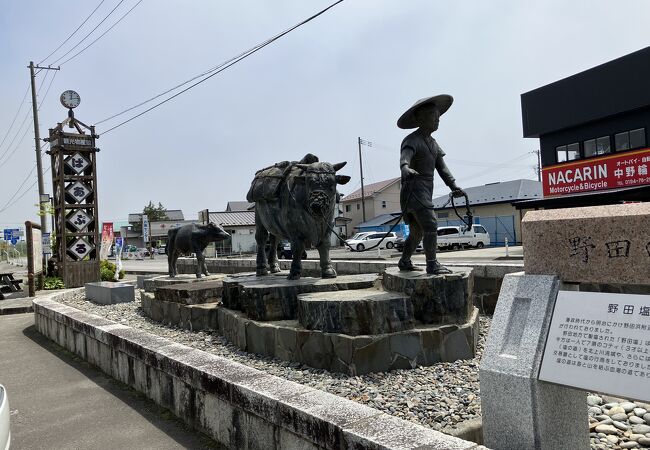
x: 468, y: 223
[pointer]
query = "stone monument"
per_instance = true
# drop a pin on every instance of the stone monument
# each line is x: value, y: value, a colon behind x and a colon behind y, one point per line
x: 567, y: 326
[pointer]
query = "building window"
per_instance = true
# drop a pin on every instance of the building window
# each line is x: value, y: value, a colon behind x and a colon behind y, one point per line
x: 348, y: 208
x: 598, y: 146
x: 630, y: 139
x: 358, y: 206
x: 383, y: 203
x: 568, y: 152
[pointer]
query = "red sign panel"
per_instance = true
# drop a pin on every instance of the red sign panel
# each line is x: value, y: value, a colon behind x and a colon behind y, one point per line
x: 608, y: 172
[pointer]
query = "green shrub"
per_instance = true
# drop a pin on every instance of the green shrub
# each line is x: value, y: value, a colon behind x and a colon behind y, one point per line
x: 107, y: 271
x: 53, y: 283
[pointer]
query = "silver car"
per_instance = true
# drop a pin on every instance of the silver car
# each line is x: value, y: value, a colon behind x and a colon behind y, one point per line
x: 5, y: 433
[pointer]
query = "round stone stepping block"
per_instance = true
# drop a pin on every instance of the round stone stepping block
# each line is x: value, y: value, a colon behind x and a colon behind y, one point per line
x: 356, y: 312
x: 191, y: 293
x: 437, y: 299
x: 276, y: 298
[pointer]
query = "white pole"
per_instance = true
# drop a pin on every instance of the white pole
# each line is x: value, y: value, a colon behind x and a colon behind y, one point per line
x: 507, y: 246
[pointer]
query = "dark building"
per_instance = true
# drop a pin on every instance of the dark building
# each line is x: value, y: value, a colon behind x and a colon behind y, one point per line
x: 593, y: 134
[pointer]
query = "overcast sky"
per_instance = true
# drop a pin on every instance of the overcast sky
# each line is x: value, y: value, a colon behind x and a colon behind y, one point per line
x: 349, y: 73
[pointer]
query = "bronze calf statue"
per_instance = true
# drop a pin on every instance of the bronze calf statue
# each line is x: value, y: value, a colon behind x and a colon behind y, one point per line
x: 192, y: 238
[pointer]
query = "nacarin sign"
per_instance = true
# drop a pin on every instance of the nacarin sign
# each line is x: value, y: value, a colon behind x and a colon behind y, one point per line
x: 608, y: 172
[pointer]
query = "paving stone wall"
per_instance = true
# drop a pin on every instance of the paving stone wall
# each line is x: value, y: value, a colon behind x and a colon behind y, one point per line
x: 239, y: 407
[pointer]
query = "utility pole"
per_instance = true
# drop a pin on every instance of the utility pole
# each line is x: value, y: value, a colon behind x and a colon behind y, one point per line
x: 539, y: 164
x: 363, y: 195
x: 37, y: 140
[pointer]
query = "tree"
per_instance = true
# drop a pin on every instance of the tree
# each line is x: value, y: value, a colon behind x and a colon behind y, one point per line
x: 154, y: 213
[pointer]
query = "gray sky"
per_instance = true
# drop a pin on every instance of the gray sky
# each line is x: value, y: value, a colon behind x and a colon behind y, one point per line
x: 349, y: 73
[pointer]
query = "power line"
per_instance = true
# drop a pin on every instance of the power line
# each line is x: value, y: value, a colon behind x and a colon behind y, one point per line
x: 73, y: 33
x: 101, y: 35
x: 2, y: 163
x: 226, y: 65
x: 19, y: 188
x: 18, y: 131
x: 91, y: 32
x: 15, y: 117
x: 23, y: 194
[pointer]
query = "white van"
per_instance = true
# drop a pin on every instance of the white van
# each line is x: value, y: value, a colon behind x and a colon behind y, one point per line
x: 454, y: 237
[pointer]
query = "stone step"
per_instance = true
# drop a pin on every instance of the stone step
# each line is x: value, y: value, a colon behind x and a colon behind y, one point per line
x: 273, y: 297
x: 437, y: 299
x: 151, y: 284
x: 356, y: 312
x: 191, y: 293
x: 191, y: 317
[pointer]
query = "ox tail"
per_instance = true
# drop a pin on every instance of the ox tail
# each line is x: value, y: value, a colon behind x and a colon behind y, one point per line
x: 171, y: 241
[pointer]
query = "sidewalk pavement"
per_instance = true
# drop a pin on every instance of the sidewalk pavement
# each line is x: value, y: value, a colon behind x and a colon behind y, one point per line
x: 58, y: 401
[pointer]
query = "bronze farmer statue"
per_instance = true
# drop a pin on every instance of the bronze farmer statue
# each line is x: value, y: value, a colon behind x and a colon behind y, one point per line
x: 420, y: 157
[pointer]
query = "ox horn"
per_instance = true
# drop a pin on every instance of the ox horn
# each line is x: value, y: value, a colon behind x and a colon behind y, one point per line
x: 339, y: 166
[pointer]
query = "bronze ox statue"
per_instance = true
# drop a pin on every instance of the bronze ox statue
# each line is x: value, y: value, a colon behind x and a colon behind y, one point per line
x: 295, y: 201
x: 192, y: 238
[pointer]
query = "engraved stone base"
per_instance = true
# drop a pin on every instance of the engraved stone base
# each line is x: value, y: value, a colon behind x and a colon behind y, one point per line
x: 276, y: 298
x: 439, y: 299
x: 356, y: 312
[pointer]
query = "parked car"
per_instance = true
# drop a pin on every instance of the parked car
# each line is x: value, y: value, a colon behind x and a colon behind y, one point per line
x: 5, y: 432
x: 371, y: 239
x: 285, y: 252
x: 399, y: 245
x: 162, y: 250
x: 455, y: 237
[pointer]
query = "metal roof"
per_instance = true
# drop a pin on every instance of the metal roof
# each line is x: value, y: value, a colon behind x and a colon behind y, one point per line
x: 370, y: 190
x: 172, y: 214
x: 505, y: 192
x: 233, y: 218
x: 239, y: 206
x: 380, y: 220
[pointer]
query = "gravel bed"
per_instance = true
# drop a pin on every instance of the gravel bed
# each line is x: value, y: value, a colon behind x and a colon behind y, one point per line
x: 439, y: 396
x: 618, y: 424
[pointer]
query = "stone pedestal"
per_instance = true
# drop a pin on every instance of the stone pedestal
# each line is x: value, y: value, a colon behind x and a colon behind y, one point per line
x: 356, y: 312
x: 191, y: 293
x: 151, y: 284
x: 276, y: 298
x: 437, y: 299
x: 108, y: 293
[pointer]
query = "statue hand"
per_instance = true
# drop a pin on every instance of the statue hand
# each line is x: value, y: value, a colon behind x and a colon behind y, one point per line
x: 407, y: 172
x: 458, y: 192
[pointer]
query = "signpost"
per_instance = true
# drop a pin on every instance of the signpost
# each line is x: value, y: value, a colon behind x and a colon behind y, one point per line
x: 34, y: 255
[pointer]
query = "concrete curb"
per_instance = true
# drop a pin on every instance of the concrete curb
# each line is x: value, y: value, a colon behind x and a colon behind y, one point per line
x: 236, y: 405
x: 16, y: 306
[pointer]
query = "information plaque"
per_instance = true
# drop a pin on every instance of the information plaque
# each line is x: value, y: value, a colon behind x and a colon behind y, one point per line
x: 600, y: 342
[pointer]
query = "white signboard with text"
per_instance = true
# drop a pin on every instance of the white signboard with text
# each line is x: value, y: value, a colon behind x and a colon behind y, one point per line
x: 600, y: 342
